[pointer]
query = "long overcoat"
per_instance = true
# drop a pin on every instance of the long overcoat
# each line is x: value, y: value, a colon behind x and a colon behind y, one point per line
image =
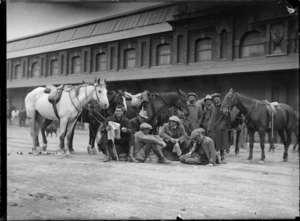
x: 217, y: 128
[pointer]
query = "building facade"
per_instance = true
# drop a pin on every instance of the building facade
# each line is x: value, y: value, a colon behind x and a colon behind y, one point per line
x: 200, y: 47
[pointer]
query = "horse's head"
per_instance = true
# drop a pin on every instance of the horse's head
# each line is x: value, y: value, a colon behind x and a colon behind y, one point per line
x: 229, y: 101
x: 100, y: 93
x: 181, y: 102
x: 120, y: 99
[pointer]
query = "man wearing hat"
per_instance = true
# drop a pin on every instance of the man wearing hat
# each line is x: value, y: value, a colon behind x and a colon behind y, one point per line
x: 217, y: 127
x: 145, y: 142
x: 203, y: 151
x: 175, y: 136
x: 206, y: 111
x: 195, y: 115
x: 138, y: 120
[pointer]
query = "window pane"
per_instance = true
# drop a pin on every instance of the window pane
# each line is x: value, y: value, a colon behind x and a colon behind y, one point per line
x: 54, y: 67
x: 130, y: 58
x: 164, y: 56
x: 101, y: 62
x: 204, y: 44
x: 18, y: 71
x: 103, y: 66
x: 204, y: 55
x: 76, y: 65
x: 35, y: 70
x: 164, y: 60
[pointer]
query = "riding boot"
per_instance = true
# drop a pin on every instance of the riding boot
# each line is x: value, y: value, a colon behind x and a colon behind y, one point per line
x: 159, y: 154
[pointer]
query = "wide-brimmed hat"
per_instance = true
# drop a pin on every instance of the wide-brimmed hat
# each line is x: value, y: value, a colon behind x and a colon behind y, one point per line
x: 197, y: 132
x: 174, y: 118
x: 143, y: 114
x: 145, y: 126
x: 215, y: 95
x: 208, y: 97
x: 191, y: 94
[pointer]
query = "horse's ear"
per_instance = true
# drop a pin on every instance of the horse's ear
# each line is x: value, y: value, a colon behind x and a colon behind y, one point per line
x: 105, y: 81
x: 83, y: 82
x: 95, y: 80
x: 179, y: 91
x: 98, y: 80
x: 233, y: 89
x: 121, y: 92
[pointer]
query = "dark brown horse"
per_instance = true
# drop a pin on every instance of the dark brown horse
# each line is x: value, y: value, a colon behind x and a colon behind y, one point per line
x: 257, y: 118
x: 158, y: 103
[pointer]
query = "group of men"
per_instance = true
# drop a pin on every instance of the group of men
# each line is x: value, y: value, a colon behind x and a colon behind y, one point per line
x: 195, y: 139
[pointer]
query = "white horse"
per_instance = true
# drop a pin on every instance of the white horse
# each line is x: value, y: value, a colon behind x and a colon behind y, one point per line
x: 68, y: 108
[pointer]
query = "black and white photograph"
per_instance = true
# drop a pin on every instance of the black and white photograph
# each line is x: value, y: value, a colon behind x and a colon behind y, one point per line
x: 138, y: 110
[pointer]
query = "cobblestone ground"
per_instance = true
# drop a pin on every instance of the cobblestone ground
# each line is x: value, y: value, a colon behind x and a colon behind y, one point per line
x: 84, y: 187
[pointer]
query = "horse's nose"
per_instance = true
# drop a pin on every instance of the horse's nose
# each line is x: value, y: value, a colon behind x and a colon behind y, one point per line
x: 105, y: 106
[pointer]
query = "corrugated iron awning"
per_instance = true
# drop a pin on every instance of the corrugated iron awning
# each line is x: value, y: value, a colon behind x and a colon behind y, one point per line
x: 146, y: 30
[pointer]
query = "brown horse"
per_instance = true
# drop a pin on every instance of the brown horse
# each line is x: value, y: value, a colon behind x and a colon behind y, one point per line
x: 158, y: 103
x: 258, y: 119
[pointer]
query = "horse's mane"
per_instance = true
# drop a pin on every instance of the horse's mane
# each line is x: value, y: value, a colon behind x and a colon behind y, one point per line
x: 76, y: 88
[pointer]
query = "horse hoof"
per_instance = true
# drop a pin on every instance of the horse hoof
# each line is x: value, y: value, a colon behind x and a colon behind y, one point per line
x: 72, y: 151
x: 285, y: 160
x: 261, y: 162
x: 44, y: 147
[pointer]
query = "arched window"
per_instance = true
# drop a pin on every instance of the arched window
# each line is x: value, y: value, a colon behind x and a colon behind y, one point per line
x: 18, y: 72
x: 163, y: 54
x: 35, y: 70
x: 54, y: 67
x: 223, y: 45
x: 101, y: 62
x: 129, y: 58
x: 203, y: 49
x: 76, y: 65
x: 252, y: 45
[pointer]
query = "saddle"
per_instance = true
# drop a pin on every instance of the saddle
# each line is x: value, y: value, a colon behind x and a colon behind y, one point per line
x: 54, y: 95
x: 271, y: 109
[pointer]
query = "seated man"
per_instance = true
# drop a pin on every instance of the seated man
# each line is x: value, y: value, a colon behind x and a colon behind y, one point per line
x: 174, y: 135
x: 126, y: 139
x: 145, y: 142
x: 203, y: 151
x: 138, y: 120
x: 186, y: 123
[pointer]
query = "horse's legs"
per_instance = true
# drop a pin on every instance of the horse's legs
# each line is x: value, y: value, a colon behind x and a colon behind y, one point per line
x: 93, y: 128
x: 287, y: 144
x: 262, y: 136
x: 251, y: 138
x: 237, y: 140
x: 71, y: 139
x: 69, y: 134
x: 271, y: 141
x: 63, y: 131
x: 230, y: 139
x: 45, y: 124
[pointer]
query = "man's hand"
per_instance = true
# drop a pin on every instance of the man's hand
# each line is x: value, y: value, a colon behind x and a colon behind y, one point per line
x: 189, y: 154
x: 210, y: 165
x: 174, y: 140
x: 163, y: 144
x: 124, y: 130
x: 108, y: 127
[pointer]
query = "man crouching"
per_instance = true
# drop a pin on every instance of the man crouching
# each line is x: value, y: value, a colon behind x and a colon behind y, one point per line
x: 203, y: 151
x: 145, y: 142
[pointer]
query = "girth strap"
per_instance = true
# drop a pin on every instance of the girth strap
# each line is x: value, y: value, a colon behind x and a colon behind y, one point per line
x: 55, y: 110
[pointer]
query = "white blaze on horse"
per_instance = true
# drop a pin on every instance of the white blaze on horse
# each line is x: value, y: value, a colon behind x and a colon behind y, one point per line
x: 72, y: 99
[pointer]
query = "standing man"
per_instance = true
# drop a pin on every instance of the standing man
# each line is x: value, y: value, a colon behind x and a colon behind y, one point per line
x: 174, y: 135
x: 126, y: 140
x: 195, y: 111
x: 203, y: 151
x: 206, y: 111
x: 217, y: 127
x: 145, y: 142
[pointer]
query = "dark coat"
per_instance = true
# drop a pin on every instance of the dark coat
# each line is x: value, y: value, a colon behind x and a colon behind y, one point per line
x: 217, y: 128
x: 124, y: 122
x: 135, y: 124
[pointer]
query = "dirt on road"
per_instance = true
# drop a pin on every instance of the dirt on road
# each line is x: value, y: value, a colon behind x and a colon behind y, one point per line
x: 84, y: 187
